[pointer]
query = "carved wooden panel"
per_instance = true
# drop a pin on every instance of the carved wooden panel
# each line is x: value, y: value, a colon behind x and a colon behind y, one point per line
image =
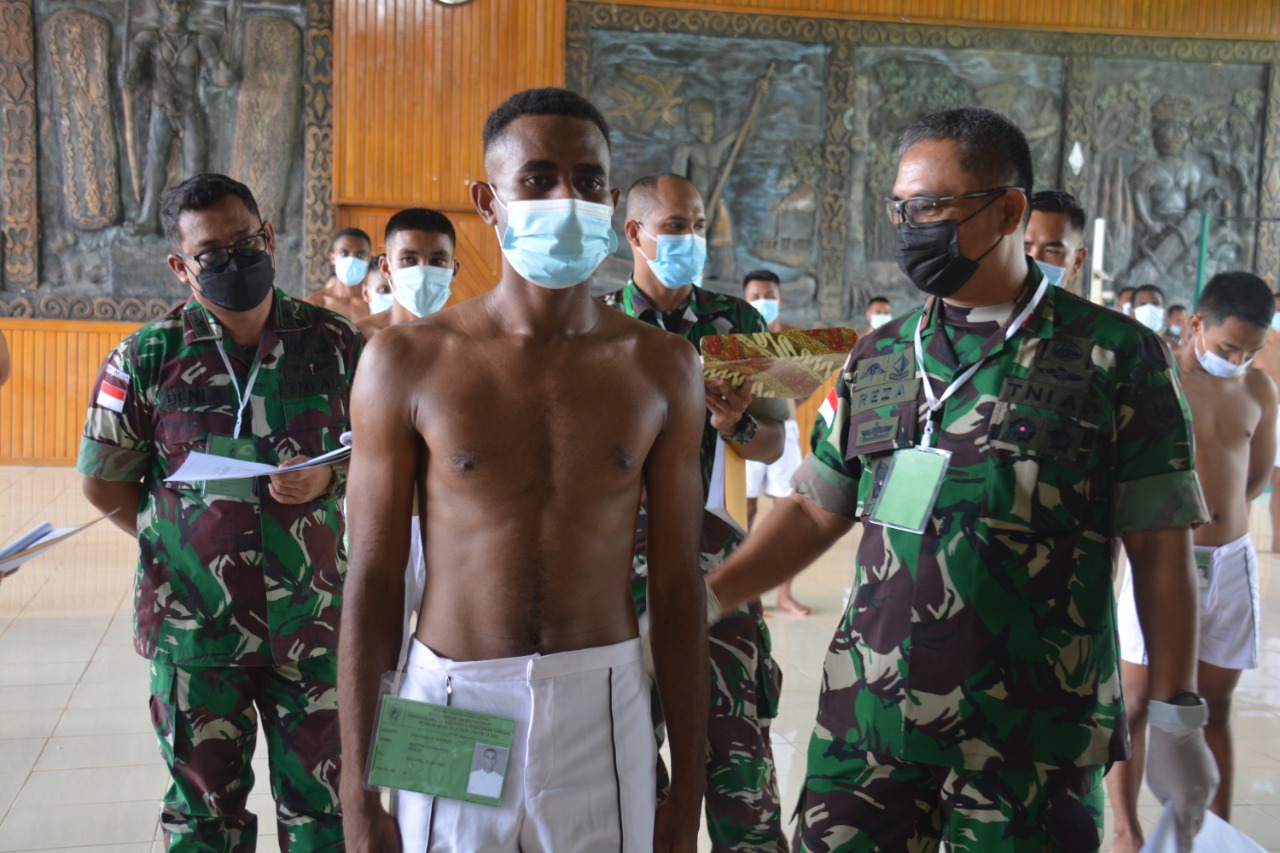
x: 83, y: 117
x: 319, y: 216
x: 19, y: 218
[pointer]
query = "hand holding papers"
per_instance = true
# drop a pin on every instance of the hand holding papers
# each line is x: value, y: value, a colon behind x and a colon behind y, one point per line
x: 35, y: 542
x: 782, y: 364
x: 204, y: 466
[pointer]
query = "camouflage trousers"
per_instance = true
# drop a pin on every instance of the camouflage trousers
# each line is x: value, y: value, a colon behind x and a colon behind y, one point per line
x: 854, y: 800
x: 743, y: 807
x: 207, y: 719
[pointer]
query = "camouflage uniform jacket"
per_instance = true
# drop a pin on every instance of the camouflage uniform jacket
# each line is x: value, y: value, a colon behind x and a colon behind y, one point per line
x: 988, y: 642
x: 706, y: 313
x: 228, y: 580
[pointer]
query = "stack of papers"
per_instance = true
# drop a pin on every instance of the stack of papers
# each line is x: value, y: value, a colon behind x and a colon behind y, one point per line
x: 35, y: 542
x: 1216, y: 836
x: 783, y: 364
x: 205, y: 466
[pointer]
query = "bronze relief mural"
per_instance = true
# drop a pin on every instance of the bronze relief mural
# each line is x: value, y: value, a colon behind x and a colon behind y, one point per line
x: 124, y: 99
x: 1149, y: 133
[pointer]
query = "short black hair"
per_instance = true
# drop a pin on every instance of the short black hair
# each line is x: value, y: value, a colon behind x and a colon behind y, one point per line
x: 644, y: 190
x: 873, y: 300
x: 1178, y: 307
x: 761, y: 275
x: 1122, y: 288
x: 200, y: 193
x: 1059, y: 201
x: 353, y: 232
x: 991, y: 146
x: 419, y: 219
x: 1149, y: 288
x: 1236, y: 294
x: 549, y: 101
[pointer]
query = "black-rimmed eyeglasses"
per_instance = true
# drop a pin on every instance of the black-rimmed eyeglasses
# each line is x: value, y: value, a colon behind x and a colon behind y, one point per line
x: 217, y: 258
x: 923, y: 210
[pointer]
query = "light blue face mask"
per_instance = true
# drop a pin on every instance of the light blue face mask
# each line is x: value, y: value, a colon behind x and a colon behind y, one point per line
x: 1151, y: 316
x: 380, y: 302
x: 878, y: 320
x: 1216, y: 365
x: 350, y: 270
x: 1053, y: 272
x: 1176, y: 331
x: 679, y: 260
x: 422, y: 289
x: 768, y: 309
x: 1275, y: 321
x: 556, y: 242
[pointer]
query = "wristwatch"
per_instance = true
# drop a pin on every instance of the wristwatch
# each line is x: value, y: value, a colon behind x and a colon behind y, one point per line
x: 745, y: 431
x: 1184, y: 710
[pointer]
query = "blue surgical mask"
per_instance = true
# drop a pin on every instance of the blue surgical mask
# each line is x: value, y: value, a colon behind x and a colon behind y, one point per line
x: 1275, y: 321
x: 422, y: 289
x: 1151, y: 316
x: 350, y: 270
x: 1216, y: 365
x: 1176, y: 331
x: 768, y: 309
x: 556, y: 242
x: 680, y: 259
x: 878, y: 320
x: 381, y: 302
x: 1053, y: 272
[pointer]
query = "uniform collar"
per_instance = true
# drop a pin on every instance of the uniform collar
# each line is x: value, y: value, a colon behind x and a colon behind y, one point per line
x: 637, y: 303
x: 199, y: 324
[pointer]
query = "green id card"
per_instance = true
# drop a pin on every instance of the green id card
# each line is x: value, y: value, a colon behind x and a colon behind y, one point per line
x: 1204, y: 566
x: 235, y: 448
x: 911, y: 489
x: 441, y: 751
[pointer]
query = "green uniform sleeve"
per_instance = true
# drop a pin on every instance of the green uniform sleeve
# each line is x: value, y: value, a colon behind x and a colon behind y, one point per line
x: 1155, y: 484
x: 826, y: 477
x: 117, y: 441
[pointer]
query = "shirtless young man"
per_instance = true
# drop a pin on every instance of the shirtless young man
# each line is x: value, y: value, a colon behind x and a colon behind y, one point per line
x: 342, y: 292
x: 1268, y: 361
x: 418, y: 265
x: 1233, y: 413
x: 764, y: 292
x: 527, y: 421
x: 377, y: 294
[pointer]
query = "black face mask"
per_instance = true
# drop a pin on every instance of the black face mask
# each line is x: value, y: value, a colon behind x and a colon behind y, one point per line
x: 242, y: 284
x: 930, y: 256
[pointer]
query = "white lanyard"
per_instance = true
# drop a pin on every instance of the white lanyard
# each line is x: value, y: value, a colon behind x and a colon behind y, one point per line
x: 242, y: 399
x: 935, y: 402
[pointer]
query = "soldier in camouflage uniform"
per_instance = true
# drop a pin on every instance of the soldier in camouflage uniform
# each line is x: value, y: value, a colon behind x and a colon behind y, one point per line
x: 742, y: 802
x: 239, y: 582
x: 971, y: 690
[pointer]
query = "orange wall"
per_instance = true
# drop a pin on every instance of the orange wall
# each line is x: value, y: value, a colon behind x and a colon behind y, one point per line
x: 413, y: 83
x: 42, y: 407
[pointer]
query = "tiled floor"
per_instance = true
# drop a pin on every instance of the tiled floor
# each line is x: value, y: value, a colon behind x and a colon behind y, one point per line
x: 79, y: 768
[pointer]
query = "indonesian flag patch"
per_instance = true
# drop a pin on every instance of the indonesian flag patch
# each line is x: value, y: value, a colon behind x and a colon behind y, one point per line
x: 827, y: 411
x: 113, y: 390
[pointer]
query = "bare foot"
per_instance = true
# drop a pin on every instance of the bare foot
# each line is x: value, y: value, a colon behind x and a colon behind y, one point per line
x: 789, y: 604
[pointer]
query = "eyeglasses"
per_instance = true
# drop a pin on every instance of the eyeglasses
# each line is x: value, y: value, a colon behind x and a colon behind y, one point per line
x: 217, y: 258
x: 922, y: 210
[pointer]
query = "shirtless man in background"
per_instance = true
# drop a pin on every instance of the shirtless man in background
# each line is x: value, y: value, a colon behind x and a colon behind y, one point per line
x: 1268, y: 361
x: 1233, y: 413
x: 527, y: 421
x: 343, y: 291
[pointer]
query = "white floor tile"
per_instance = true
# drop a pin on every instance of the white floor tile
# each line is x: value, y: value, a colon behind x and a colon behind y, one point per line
x: 94, y: 826
x: 65, y: 753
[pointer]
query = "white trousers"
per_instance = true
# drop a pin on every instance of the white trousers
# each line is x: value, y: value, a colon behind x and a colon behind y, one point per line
x: 580, y: 776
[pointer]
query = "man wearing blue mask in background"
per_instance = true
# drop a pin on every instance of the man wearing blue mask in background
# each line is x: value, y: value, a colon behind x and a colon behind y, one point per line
x: 1055, y: 232
x: 879, y: 311
x: 420, y: 265
x: 529, y: 421
x: 763, y: 292
x: 1148, y: 307
x: 343, y: 293
x: 665, y: 227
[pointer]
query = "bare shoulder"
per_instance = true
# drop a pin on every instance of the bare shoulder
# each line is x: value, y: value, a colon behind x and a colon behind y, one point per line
x: 1261, y: 387
x: 654, y: 348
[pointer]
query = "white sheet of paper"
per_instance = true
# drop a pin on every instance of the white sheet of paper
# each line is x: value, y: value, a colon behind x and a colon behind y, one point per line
x: 715, y: 492
x: 1216, y: 836
x: 204, y: 466
x: 12, y: 559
